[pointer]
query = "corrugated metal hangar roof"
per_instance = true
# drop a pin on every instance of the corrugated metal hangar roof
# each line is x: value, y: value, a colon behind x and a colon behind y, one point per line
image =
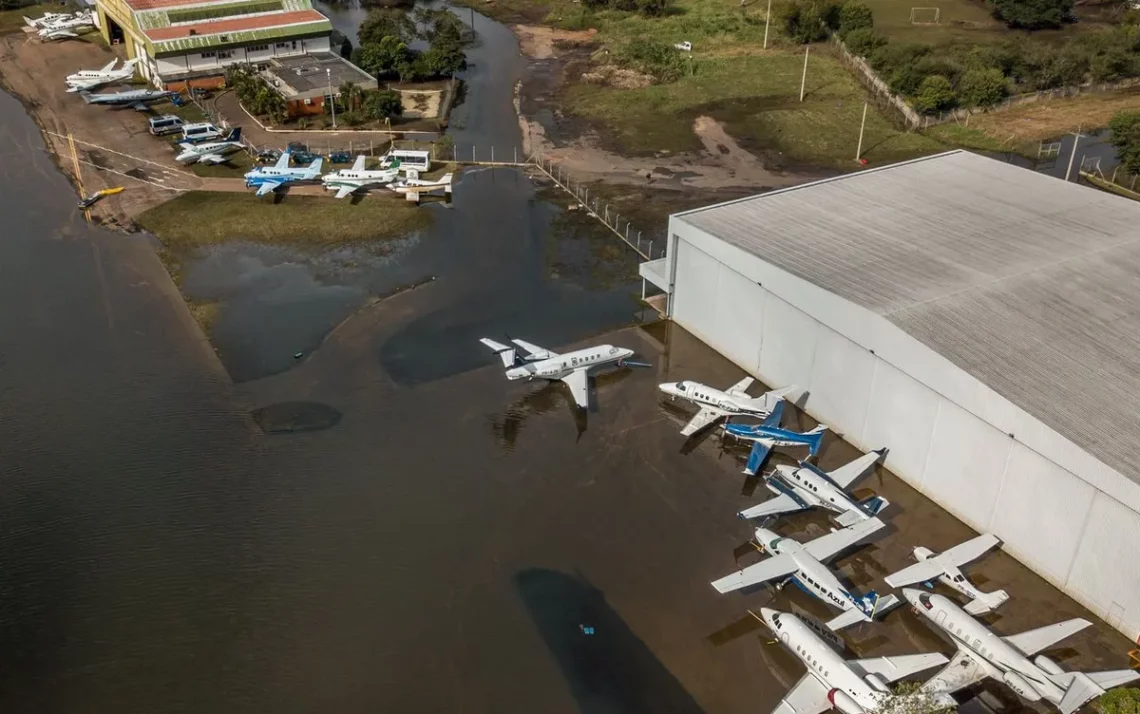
x: 1028, y: 283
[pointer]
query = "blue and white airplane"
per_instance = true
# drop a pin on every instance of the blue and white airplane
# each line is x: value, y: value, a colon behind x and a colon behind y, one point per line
x: 717, y: 404
x: 798, y: 488
x: 767, y: 435
x: 804, y: 564
x: 268, y: 179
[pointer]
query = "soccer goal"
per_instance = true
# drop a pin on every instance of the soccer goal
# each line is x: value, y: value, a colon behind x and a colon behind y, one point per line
x: 925, y: 15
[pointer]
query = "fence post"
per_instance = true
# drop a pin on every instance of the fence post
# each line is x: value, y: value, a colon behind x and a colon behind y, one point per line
x: 472, y: 153
x: 651, y: 250
x: 516, y: 154
x: 627, y: 231
x: 607, y: 216
x: 492, y: 153
x: 587, y: 201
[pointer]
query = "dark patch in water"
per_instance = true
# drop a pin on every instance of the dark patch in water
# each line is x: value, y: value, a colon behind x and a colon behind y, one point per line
x: 292, y: 417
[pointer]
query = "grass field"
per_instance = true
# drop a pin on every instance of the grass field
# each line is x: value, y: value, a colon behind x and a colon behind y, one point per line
x: 756, y: 97
x: 198, y: 219
x: 1041, y: 121
x: 13, y: 20
x: 237, y: 165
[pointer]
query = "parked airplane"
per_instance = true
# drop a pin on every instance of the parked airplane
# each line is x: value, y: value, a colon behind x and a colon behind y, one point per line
x: 349, y: 181
x: 212, y: 152
x: 805, y: 486
x: 572, y: 368
x: 983, y: 654
x: 715, y: 404
x: 135, y: 98
x: 851, y: 686
x: 88, y: 79
x: 944, y: 566
x: 268, y: 179
x: 65, y: 27
x: 803, y: 564
x: 409, y: 185
x: 48, y: 19
x: 767, y: 435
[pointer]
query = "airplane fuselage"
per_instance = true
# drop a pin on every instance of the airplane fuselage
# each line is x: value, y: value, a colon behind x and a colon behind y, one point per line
x: 773, y: 436
x: 951, y: 576
x: 190, y: 154
x: 359, y: 179
x: 814, y: 489
x: 256, y: 178
x: 1001, y: 660
x: 562, y: 365
x: 706, y: 396
x: 811, y: 576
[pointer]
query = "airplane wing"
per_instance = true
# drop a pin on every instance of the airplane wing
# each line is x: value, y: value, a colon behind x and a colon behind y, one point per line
x: 964, y: 670
x: 932, y: 567
x: 776, y: 567
x: 740, y: 389
x: 808, y: 696
x: 212, y: 159
x: 835, y: 542
x: 706, y: 416
x: 345, y: 190
x: 776, y: 415
x: 534, y: 351
x: 1033, y: 641
x: 282, y: 161
x: 579, y: 385
x: 784, y: 503
x: 110, y: 65
x: 358, y: 165
x: 268, y: 187
x: 845, y: 474
x: 140, y: 107
x: 895, y: 668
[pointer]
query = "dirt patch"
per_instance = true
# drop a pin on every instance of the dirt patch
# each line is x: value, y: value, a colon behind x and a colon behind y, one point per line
x: 546, y: 42
x: 1041, y: 121
x: 609, y: 75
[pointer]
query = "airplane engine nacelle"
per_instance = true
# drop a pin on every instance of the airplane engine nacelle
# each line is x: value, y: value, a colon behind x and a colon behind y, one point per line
x: 877, y: 682
x: 1019, y: 684
x: 842, y: 701
x: 1048, y: 665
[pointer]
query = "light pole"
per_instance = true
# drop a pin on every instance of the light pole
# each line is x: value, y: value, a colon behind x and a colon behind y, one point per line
x: 332, y: 99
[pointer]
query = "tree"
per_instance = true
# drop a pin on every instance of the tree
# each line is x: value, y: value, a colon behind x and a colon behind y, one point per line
x: 911, y: 698
x: 386, y: 22
x: 934, y: 94
x: 809, y: 20
x: 854, y: 15
x: 1125, y: 127
x: 982, y: 87
x: 1111, y: 64
x: 1033, y: 14
x: 440, y: 61
x: 652, y: 8
x: 864, y: 41
x: 382, y: 105
x: 1119, y: 701
x: 350, y: 95
x: 385, y: 56
x: 435, y: 24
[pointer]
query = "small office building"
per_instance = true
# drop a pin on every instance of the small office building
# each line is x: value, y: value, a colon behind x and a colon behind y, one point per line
x: 980, y: 320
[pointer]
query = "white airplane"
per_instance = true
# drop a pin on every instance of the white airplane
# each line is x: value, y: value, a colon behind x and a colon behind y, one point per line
x: 87, y: 79
x: 268, y: 179
x: 803, y: 564
x: 851, y: 686
x: 715, y: 404
x: 409, y: 185
x: 47, y: 19
x: 983, y: 654
x: 944, y: 566
x: 66, y: 27
x: 349, y: 181
x: 798, y: 488
x: 573, y: 368
x: 211, y: 152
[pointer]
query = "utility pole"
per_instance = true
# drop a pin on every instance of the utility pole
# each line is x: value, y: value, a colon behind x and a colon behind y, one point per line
x: 332, y: 99
x: 862, y: 125
x: 472, y: 20
x: 1076, y: 140
x: 803, y: 79
x: 767, y: 21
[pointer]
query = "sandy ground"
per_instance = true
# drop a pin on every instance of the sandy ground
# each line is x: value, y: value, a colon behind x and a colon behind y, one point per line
x: 538, y: 42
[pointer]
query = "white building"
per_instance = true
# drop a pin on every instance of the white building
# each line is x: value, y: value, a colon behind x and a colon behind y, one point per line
x: 980, y: 320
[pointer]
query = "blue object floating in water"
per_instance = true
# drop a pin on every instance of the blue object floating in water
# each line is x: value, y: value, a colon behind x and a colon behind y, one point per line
x: 586, y: 629
x: 929, y: 585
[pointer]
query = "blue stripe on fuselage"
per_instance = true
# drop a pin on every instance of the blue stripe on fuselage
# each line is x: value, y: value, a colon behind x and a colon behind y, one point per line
x: 788, y: 491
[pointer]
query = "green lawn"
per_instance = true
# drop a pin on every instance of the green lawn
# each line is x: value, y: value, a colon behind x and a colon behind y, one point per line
x: 237, y: 165
x: 188, y: 112
x: 199, y: 218
x: 960, y: 22
x: 756, y: 97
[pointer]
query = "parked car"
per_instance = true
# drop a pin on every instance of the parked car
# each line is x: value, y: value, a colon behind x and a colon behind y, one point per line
x: 268, y: 156
x: 340, y: 157
x: 166, y: 124
x: 201, y: 131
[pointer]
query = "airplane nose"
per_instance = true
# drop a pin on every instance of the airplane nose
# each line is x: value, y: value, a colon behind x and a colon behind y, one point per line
x: 768, y: 614
x: 911, y: 595
x: 668, y: 387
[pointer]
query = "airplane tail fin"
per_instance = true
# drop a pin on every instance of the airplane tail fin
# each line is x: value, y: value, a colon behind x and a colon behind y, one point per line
x: 315, y: 167
x: 1079, y: 689
x: 871, y: 507
x: 987, y: 602
x: 234, y: 135
x: 506, y: 354
x: 815, y: 439
x: 85, y: 95
x: 875, y: 605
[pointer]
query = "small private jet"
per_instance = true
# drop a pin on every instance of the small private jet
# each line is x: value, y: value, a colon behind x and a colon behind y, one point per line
x: 572, y: 368
x: 850, y: 686
x: 716, y: 404
x: 87, y: 79
x: 348, y: 181
x: 47, y: 19
x: 805, y: 486
x: 416, y: 185
x: 804, y: 565
x: 137, y: 99
x: 768, y: 435
x: 267, y: 179
x: 944, y: 566
x: 983, y: 654
x: 211, y: 152
x: 65, y: 27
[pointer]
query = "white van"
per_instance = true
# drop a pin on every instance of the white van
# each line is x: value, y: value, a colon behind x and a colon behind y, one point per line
x: 203, y: 131
x: 415, y: 160
x: 166, y: 124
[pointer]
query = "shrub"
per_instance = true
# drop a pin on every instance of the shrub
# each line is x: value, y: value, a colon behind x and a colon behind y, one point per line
x: 905, y: 80
x: 864, y: 41
x: 935, y: 93
x: 1033, y: 14
x: 382, y: 105
x: 892, y: 56
x: 383, y: 57
x: 386, y: 22
x: 653, y: 57
x: 1058, y: 70
x: 982, y: 87
x: 652, y: 8
x: 1111, y: 65
x: 809, y: 20
x: 854, y: 15
x: 1125, y: 127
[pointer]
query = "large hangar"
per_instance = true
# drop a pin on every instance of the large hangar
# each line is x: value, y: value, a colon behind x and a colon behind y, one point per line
x: 980, y: 320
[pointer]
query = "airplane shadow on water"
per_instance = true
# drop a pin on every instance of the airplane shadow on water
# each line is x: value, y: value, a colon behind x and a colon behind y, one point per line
x: 610, y: 671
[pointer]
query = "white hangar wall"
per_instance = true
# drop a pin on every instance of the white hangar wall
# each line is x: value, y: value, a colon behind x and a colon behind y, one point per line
x: 1066, y: 515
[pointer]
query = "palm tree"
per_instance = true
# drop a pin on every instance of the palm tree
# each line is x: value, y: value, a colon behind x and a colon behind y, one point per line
x: 350, y: 95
